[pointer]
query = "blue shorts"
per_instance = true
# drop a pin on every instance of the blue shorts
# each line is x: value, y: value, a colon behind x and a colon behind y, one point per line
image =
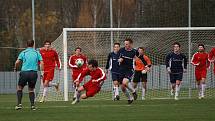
x: 115, y: 76
x: 176, y: 76
x: 125, y: 73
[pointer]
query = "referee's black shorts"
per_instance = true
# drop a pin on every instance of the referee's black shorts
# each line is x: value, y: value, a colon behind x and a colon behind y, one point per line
x: 28, y: 77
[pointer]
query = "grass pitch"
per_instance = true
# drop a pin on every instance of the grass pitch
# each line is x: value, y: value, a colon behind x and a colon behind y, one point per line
x: 104, y: 110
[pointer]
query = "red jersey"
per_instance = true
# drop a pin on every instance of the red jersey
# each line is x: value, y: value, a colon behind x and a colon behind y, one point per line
x: 73, y: 59
x: 50, y: 58
x: 98, y: 75
x: 212, y: 57
x: 200, y: 60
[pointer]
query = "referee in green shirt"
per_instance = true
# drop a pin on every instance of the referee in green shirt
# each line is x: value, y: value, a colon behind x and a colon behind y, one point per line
x: 29, y: 59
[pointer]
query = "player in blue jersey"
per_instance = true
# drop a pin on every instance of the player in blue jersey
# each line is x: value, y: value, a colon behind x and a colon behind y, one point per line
x: 113, y: 66
x: 176, y: 64
x: 126, y: 69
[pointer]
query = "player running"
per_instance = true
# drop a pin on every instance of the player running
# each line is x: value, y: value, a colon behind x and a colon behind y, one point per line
x: 126, y: 70
x: 50, y: 59
x: 77, y: 68
x: 94, y: 85
x: 142, y: 66
x: 176, y: 64
x: 201, y: 63
x: 113, y: 65
x: 212, y: 57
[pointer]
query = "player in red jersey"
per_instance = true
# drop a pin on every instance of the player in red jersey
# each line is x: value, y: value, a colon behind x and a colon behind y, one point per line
x: 212, y: 57
x: 201, y: 63
x: 76, y: 70
x: 93, y: 86
x: 50, y: 59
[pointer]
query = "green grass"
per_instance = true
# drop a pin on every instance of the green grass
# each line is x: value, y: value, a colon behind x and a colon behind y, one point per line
x: 104, y: 110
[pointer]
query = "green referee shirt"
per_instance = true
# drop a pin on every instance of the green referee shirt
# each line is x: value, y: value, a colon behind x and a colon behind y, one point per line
x: 30, y: 58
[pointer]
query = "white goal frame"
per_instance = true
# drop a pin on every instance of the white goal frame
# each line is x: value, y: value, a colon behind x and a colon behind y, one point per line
x: 65, y: 30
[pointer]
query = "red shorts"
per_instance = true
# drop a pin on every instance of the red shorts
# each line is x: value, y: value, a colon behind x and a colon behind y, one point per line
x: 200, y: 74
x: 91, y: 88
x: 48, y: 75
x: 75, y: 75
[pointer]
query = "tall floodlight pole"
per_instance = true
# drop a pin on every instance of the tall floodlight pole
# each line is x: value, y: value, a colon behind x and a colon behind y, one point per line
x: 190, y: 46
x: 111, y: 24
x: 33, y: 21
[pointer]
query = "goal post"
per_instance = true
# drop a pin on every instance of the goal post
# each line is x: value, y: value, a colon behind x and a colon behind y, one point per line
x: 96, y: 43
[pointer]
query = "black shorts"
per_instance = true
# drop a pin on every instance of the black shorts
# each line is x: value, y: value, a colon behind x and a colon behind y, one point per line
x: 28, y: 77
x: 125, y: 73
x: 115, y: 76
x: 175, y: 76
x: 139, y: 77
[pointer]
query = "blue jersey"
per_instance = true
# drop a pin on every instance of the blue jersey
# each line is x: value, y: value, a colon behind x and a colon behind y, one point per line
x: 30, y: 58
x: 128, y: 58
x: 112, y: 62
x: 176, y: 62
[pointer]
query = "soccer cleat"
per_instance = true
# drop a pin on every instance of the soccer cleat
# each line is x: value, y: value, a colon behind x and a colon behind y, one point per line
x: 117, y: 97
x: 176, y: 98
x: 143, y: 98
x: 75, y: 101
x: 201, y: 97
x: 73, y: 98
x: 135, y: 95
x: 57, y: 87
x: 130, y: 101
x: 33, y: 107
x: 42, y: 100
x: 18, y: 107
x: 172, y: 92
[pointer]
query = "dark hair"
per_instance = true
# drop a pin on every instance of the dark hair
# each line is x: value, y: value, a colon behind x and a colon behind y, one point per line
x: 94, y: 63
x: 141, y: 48
x: 201, y: 45
x: 30, y: 43
x: 177, y: 43
x: 116, y: 44
x: 47, y: 41
x: 129, y: 39
x: 77, y: 48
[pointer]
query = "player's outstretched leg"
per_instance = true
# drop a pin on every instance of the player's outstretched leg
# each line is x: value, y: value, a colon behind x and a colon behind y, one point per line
x: 79, y: 96
x: 130, y: 87
x: 125, y: 91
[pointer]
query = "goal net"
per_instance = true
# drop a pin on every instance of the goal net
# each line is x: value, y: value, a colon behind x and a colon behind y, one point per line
x: 96, y: 43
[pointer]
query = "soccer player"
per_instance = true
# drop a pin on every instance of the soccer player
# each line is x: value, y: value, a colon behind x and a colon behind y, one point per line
x: 113, y: 65
x: 29, y: 58
x: 201, y: 63
x: 76, y: 70
x: 176, y: 64
x: 94, y: 85
x: 50, y: 59
x: 212, y: 57
x: 142, y: 66
x: 126, y: 69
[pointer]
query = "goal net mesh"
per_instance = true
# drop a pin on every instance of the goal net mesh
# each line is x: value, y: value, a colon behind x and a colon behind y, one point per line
x: 157, y: 44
